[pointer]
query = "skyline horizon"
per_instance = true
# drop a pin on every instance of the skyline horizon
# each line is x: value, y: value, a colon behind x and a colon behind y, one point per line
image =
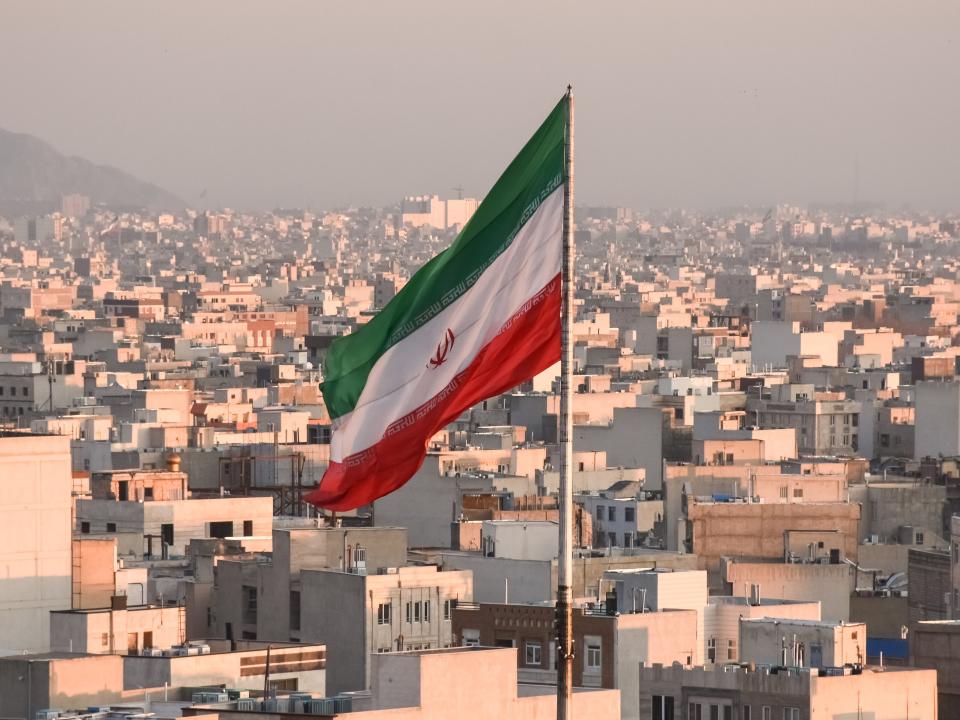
x: 327, y: 105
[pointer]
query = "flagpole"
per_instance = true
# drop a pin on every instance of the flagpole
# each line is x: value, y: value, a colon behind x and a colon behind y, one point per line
x: 565, y: 650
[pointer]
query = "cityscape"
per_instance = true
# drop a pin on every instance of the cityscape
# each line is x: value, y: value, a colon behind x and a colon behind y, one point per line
x: 476, y: 452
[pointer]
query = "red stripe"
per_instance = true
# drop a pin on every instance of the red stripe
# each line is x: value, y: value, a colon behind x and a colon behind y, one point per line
x: 528, y: 343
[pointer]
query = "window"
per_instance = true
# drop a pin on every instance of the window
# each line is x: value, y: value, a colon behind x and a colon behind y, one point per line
x: 23, y: 391
x: 104, y: 639
x: 629, y: 514
x: 746, y: 713
x: 798, y: 492
x: 627, y: 539
x: 612, y: 537
x: 294, y: 609
x: 418, y: 611
x: 249, y: 605
x: 148, y: 639
x: 383, y: 614
x: 663, y: 707
x: 166, y: 533
x: 919, y: 538
x: 783, y: 492
x: 248, y: 528
x: 532, y: 653
x: 791, y: 713
x: 599, y: 512
x: 732, y: 650
x: 84, y: 527
x: 409, y: 612
x: 447, y: 607
x: 695, y: 711
x: 111, y: 527
x: 766, y: 713
x: 612, y: 513
x: 593, y: 657
x: 222, y: 529
x: 712, y: 650
x: 148, y: 493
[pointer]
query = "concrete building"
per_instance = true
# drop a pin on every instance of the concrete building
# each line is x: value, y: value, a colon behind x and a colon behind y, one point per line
x: 479, y: 683
x: 35, y: 508
x: 955, y: 565
x: 761, y: 530
x: 247, y: 595
x: 117, y: 630
x: 935, y: 644
x: 937, y: 419
x: 167, y: 526
x: 724, y: 613
x: 663, y: 589
x: 930, y: 592
x: 802, y: 643
x: 520, y: 539
x: 535, y: 581
x: 620, y: 521
x: 356, y: 616
x: 790, y: 693
x: 612, y: 642
x: 827, y: 423
x: 153, y: 683
x: 828, y: 584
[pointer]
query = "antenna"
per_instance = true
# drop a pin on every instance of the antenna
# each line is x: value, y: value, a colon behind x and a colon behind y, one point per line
x: 459, y: 189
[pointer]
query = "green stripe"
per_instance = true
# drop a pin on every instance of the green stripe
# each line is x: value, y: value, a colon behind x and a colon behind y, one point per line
x: 534, y: 173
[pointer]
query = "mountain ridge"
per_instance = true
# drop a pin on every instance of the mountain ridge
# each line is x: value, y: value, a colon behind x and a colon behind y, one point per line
x: 34, y: 175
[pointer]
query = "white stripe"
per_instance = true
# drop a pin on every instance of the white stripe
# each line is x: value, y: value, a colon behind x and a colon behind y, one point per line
x: 401, y: 380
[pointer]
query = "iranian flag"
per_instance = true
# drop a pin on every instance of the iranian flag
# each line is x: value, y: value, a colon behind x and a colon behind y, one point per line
x: 478, y: 319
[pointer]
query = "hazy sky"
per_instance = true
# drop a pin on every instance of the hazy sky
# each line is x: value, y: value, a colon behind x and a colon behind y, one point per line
x: 320, y: 104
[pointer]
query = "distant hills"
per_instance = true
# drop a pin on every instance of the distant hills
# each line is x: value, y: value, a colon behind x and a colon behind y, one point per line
x: 34, y: 176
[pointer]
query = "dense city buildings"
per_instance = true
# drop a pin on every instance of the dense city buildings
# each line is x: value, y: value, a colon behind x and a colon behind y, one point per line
x: 766, y: 473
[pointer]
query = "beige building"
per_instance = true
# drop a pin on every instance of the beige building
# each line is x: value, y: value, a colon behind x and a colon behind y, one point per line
x: 356, y: 616
x: 611, y: 643
x: 99, y: 575
x: 476, y: 683
x: 29, y: 683
x: 802, y: 643
x: 117, y: 630
x: 762, y: 530
x: 827, y: 423
x: 829, y: 584
x: 35, y: 566
x: 249, y: 595
x: 167, y: 526
x: 723, y: 615
x: 789, y: 694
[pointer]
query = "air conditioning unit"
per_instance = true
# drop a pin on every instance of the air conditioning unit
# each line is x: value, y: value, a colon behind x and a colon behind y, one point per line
x: 320, y: 706
x: 342, y: 704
